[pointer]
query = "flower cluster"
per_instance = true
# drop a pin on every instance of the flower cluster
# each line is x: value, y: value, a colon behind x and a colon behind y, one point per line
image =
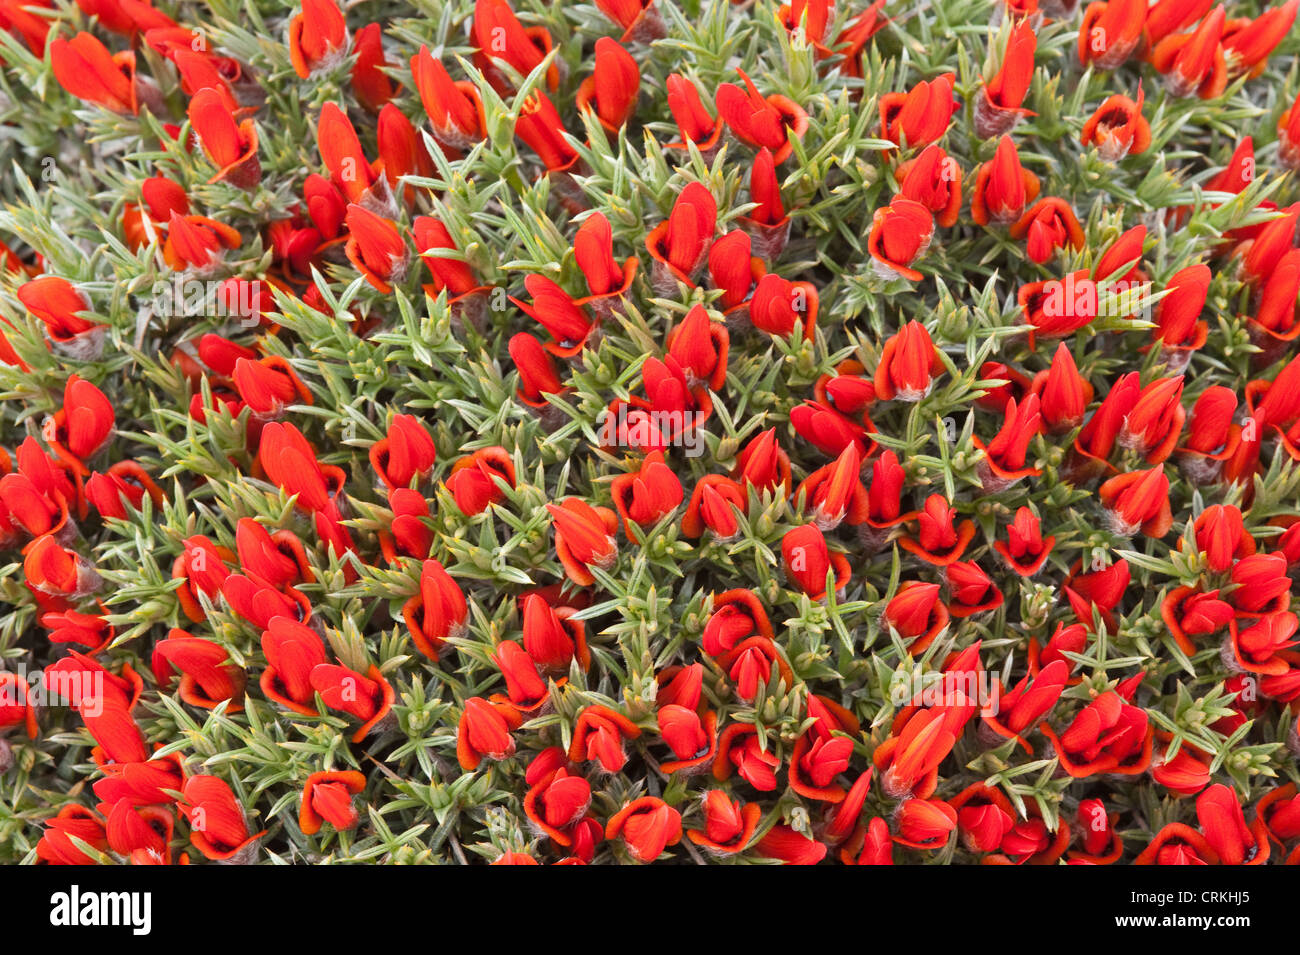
x: 557, y: 434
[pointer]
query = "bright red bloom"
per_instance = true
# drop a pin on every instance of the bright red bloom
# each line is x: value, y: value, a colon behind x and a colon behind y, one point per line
x: 778, y: 303
x: 218, y: 827
x: 483, y: 733
x: 612, y: 89
x: 1002, y: 187
x: 327, y: 797
x: 540, y: 127
x: 455, y: 109
x: 1046, y: 226
x: 318, y: 37
x: 405, y: 453
x: 292, y: 651
x: 934, y: 180
x: 758, y: 121
x: 437, y: 611
x: 900, y: 234
x: 647, y: 826
x: 208, y: 675
x: 680, y: 245
x: 1138, y: 500
x: 1000, y: 106
x: 921, y: 115
x: 647, y: 495
x: 1109, y: 735
x: 1117, y: 128
x: 908, y: 363
x: 230, y: 144
x: 552, y: 637
x: 1110, y: 32
x: 808, y: 561
x: 473, y: 479
x: 925, y: 824
x: 86, y: 70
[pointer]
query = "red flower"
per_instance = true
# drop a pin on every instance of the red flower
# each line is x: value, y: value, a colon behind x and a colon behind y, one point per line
x: 729, y: 824
x: 566, y: 320
x: 292, y: 651
x: 340, y: 150
x: 999, y: 108
x: 908, y: 363
x: 537, y: 373
x: 404, y: 454
x: 758, y: 121
x: 583, y: 538
x: 1155, y: 422
x: 900, y: 234
x: 925, y: 824
x: 612, y: 89
x: 593, y: 248
x: 1025, y: 549
x: 483, y: 733
x: 83, y: 424
x: 370, y: 83
x: 318, y: 37
x: 1194, y: 62
x: 598, y: 737
x: 401, y: 150
x: 17, y: 707
x: 699, y: 346
x: 1002, y: 187
x: 269, y: 385
x: 86, y: 70
x: 552, y: 637
x: 218, y: 827
x: 376, y: 248
x: 540, y: 127
x: 1110, y: 32
x: 1004, y: 456
x: 647, y: 826
x: 473, y: 479
x: 56, y: 302
x: 778, y: 303
x: 368, y: 698
x: 836, y: 492
x: 917, y: 614
x: 1117, y: 128
x: 1046, y: 226
x: 437, y: 611
x: 939, y: 539
x: 1177, y: 316
x: 1247, y: 43
x: 808, y: 562
x: 972, y: 590
x: 934, y: 180
x: 525, y: 688
x: 680, y: 245
x: 1138, y: 500
x: 694, y: 122
x: 455, y: 109
x: 52, y: 569
x: 73, y: 820
x: 1219, y: 814
x: 327, y: 797
x: 1109, y: 735
x: 790, y: 847
x: 503, y: 40
x: 1190, y: 613
x: 984, y: 817
x: 208, y: 675
x: 230, y: 144
x: 1258, y: 648
x: 647, y: 495
x: 921, y: 115
x: 290, y: 462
